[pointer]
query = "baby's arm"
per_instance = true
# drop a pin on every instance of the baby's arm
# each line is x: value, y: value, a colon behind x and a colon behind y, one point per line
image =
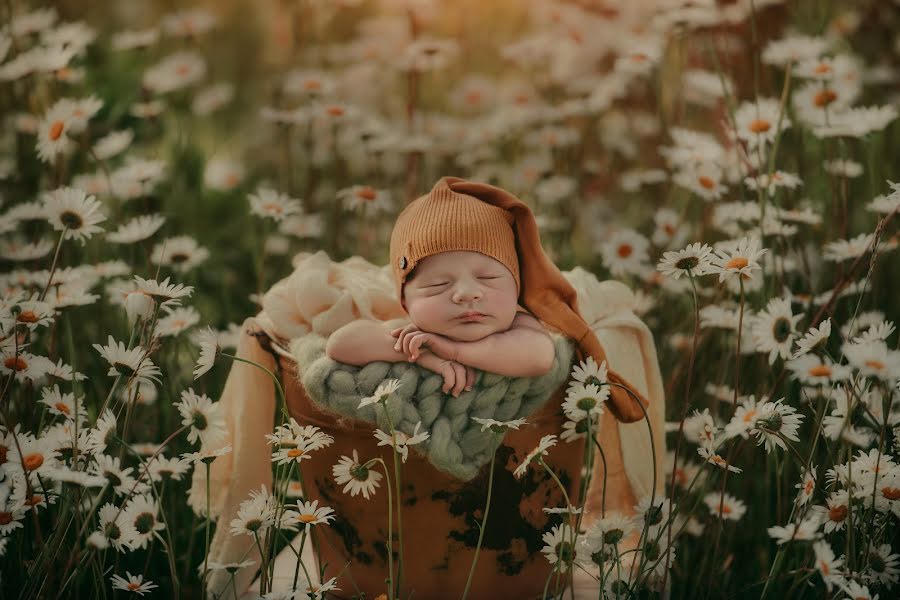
x: 524, y: 350
x: 363, y: 341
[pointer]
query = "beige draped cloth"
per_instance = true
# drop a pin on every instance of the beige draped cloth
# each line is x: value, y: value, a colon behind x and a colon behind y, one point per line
x: 248, y: 403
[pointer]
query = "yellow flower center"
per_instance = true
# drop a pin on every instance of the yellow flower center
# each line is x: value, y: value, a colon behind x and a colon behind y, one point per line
x: 875, y: 364
x: 307, y: 518
x: 838, y: 513
x: 706, y: 182
x: 27, y: 316
x: 891, y: 493
x: 738, y: 262
x: 294, y: 452
x: 624, y: 250
x: 824, y: 97
x: 33, y: 461
x: 759, y: 126
x: 61, y: 407
x: 820, y: 371
x: 15, y: 363
x: 56, y: 130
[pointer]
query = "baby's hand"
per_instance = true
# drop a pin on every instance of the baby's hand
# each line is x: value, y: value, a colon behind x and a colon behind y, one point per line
x: 411, y: 340
x: 456, y: 377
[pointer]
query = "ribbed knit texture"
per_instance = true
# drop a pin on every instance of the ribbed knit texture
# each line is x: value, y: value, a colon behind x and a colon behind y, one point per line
x: 457, y: 444
x: 465, y: 215
x: 444, y: 221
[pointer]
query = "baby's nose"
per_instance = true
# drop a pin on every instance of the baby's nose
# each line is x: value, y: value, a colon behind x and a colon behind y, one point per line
x: 466, y: 291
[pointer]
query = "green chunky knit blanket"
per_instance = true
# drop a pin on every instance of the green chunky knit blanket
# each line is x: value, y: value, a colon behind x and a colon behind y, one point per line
x: 456, y: 443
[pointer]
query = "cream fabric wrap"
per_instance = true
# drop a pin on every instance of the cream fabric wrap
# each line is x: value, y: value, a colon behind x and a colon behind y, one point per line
x: 321, y: 296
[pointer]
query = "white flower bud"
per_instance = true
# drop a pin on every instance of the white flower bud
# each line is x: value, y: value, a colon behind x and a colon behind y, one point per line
x: 138, y: 305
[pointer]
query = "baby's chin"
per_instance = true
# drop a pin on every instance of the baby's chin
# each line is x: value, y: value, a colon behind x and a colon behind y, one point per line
x: 469, y: 332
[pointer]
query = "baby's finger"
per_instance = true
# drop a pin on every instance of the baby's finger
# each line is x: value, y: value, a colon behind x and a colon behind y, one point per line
x: 470, y: 378
x: 415, y: 346
x: 449, y: 380
x: 407, y: 342
x: 460, y: 379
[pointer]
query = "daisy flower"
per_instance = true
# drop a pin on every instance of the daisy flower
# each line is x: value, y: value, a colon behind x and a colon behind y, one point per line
x: 131, y: 363
x: 814, y: 370
x: 778, y: 179
x: 837, y: 508
x: 255, y: 515
x: 544, y: 444
x: 296, y: 446
x: 499, y: 426
x: 773, y: 329
x: 757, y: 122
x: 401, y: 441
x: 163, y: 468
x: 32, y: 313
x: 625, y: 252
x: 604, y: 534
x: 727, y: 507
x: 590, y: 373
x: 693, y: 260
x: 560, y: 546
x: 365, y: 199
x: 177, y: 320
x: 112, y: 144
x: 212, y: 98
x: 137, y: 229
x: 108, y: 467
x: 794, y: 48
x: 181, y: 253
x: 52, y: 135
x: 134, y: 583
x: 583, y: 401
x: 175, y: 72
x: 203, y: 416
x: 812, y: 338
x: 805, y: 530
x: 208, y: 340
x: 806, y: 487
x: 843, y: 168
x: 703, y: 179
x: 427, y: 54
x: 884, y: 566
x: 102, y: 434
x: 873, y: 359
x: 384, y: 390
x: 222, y: 174
x: 738, y: 258
x: 856, y: 591
x: 164, y: 293
x: 141, y: 513
x: 206, y: 455
x: 24, y: 365
x: 12, y: 510
x: 188, y: 23
x: 18, y: 250
x: 769, y: 421
x: 231, y: 568
x: 840, y: 250
x: 73, y: 212
x: 274, y: 205
x: 61, y: 404
x: 309, y: 514
x: 113, y: 529
x: 357, y: 477
x: 826, y: 564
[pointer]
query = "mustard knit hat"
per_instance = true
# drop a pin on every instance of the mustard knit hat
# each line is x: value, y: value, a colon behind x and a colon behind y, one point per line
x: 465, y: 215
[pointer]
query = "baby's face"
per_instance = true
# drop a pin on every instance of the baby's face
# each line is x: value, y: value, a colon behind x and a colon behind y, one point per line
x: 445, y: 287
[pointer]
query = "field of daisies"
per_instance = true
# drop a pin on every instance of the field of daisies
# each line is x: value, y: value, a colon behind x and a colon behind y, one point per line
x: 731, y: 161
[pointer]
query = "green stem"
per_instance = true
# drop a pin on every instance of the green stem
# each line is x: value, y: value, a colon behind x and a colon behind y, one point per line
x: 487, y: 507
